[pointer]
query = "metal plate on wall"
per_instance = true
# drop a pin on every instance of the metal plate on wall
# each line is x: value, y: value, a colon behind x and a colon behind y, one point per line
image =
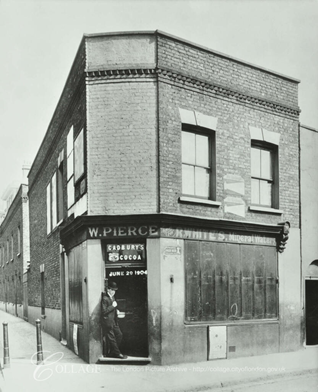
x: 217, y: 342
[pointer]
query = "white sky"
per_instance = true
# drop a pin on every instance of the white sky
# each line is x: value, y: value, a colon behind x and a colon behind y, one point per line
x: 39, y: 40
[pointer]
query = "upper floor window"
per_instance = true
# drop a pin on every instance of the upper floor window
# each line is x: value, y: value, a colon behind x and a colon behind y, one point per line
x: 264, y: 175
x: 76, y: 169
x: 19, y: 239
x: 11, y: 247
x: 198, y: 162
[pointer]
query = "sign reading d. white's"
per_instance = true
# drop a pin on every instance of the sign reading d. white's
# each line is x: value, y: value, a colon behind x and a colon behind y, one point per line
x: 122, y: 231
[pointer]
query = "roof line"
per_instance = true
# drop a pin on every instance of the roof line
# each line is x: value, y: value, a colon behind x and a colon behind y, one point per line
x: 190, y: 43
x: 309, y: 128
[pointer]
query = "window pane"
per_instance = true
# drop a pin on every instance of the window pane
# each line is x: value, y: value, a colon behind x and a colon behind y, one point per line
x: 202, y: 150
x: 69, y: 146
x: 202, y: 182
x: 188, y: 147
x: 70, y: 193
x: 70, y: 166
x: 255, y: 162
x: 48, y: 208
x: 188, y: 180
x: 53, y: 201
x: 79, y: 156
x: 255, y: 192
x: 265, y: 193
x: 266, y: 169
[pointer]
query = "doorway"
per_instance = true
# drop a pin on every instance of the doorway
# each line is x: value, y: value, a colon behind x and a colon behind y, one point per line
x: 131, y: 298
x: 311, y: 297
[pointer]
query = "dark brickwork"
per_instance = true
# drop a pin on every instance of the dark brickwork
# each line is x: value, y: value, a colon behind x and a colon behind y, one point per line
x: 44, y: 248
x: 11, y: 266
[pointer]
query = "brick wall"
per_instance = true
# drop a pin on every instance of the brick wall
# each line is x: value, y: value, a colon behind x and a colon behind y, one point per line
x: 11, y: 269
x: 122, y: 149
x: 232, y: 133
x: 207, y: 65
x: 45, y: 248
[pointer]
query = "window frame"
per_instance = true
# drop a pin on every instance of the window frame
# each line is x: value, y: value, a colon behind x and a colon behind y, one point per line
x: 197, y: 130
x: 274, y: 160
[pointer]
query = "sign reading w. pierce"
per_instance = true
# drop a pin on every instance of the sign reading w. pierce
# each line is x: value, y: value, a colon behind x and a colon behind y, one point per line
x: 122, y: 231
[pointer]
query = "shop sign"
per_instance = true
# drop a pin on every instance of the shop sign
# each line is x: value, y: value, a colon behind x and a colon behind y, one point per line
x: 122, y: 231
x: 217, y: 235
x: 125, y: 253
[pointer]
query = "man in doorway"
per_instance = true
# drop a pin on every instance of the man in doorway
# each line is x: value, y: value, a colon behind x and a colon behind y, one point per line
x: 110, y: 322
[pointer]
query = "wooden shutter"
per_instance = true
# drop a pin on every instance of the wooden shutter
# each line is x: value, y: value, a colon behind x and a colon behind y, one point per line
x: 75, y: 262
x: 192, y: 261
x: 221, y: 281
x: 271, y: 282
x: 259, y: 282
x: 247, y: 258
x: 234, y: 265
x: 207, y: 280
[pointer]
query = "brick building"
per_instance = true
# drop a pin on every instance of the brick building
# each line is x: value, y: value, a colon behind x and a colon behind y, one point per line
x: 164, y: 169
x: 14, y: 251
x: 309, y: 246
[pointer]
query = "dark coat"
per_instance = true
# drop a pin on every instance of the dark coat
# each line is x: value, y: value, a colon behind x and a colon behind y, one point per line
x: 109, y: 312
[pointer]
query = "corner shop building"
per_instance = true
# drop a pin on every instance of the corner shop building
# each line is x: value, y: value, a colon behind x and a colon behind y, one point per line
x: 197, y: 265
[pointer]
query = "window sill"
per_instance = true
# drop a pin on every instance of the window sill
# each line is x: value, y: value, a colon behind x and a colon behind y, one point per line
x: 228, y: 323
x: 265, y: 209
x: 195, y: 200
x: 54, y: 229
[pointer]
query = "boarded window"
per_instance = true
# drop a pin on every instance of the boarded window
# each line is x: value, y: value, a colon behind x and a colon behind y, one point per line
x: 230, y: 281
x: 75, y: 265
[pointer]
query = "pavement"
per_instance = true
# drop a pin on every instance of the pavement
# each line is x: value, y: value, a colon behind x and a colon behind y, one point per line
x: 64, y: 370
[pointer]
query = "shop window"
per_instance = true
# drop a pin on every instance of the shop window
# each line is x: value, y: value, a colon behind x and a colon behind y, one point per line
x: 264, y: 175
x: 75, y: 285
x: 230, y: 282
x: 198, y: 162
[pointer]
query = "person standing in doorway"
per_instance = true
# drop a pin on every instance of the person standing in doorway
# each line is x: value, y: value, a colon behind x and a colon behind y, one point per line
x: 110, y: 325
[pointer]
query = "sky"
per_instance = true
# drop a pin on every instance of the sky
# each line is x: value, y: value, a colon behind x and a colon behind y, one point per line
x: 39, y: 40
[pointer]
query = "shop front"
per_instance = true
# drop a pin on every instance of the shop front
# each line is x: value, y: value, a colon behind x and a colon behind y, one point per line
x: 189, y: 289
